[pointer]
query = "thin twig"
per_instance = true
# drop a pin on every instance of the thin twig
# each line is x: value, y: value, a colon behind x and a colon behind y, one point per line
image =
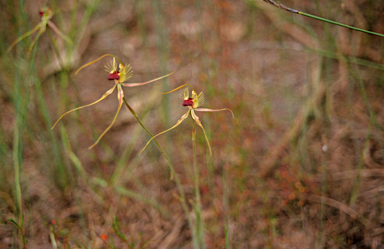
x: 282, y: 6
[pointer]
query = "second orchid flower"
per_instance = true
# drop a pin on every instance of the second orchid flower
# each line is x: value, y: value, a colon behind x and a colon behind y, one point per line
x: 193, y: 104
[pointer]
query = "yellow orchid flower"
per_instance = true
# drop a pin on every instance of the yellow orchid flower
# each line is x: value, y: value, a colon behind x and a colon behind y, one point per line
x: 46, y: 14
x: 193, y: 104
x: 119, y: 74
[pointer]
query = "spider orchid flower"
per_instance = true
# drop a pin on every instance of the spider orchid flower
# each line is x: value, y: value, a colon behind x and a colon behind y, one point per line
x: 119, y: 74
x: 46, y: 14
x: 193, y: 104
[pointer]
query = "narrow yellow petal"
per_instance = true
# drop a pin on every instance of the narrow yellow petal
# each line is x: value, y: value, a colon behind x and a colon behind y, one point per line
x: 37, y: 27
x: 179, y: 88
x: 103, y: 97
x: 196, y: 118
x: 178, y: 122
x: 90, y: 63
x: 140, y: 84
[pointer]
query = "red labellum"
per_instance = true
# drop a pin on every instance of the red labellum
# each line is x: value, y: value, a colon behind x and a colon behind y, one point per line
x: 188, y: 102
x: 114, y: 76
x: 41, y: 13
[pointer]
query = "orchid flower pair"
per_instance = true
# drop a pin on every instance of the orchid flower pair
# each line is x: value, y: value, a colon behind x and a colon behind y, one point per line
x: 46, y: 14
x: 193, y: 104
x: 119, y: 74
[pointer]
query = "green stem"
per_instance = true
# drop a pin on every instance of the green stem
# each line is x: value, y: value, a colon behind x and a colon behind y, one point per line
x: 199, y: 222
x: 177, y: 180
x: 196, y: 170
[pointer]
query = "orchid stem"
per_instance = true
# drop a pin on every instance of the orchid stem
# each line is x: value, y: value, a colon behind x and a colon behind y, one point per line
x: 196, y: 170
x: 177, y: 180
x: 199, y: 222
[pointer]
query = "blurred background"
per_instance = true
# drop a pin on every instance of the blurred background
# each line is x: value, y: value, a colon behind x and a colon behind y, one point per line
x: 300, y: 166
